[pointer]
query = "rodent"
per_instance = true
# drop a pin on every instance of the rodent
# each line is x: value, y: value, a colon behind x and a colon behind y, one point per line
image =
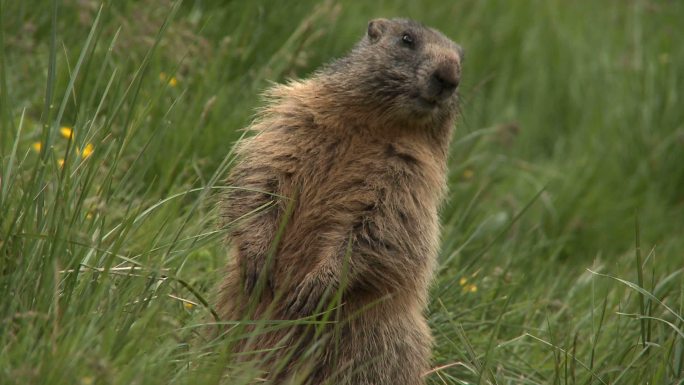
x: 336, y: 195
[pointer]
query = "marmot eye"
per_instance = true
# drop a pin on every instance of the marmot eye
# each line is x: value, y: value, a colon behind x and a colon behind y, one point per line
x: 407, y: 39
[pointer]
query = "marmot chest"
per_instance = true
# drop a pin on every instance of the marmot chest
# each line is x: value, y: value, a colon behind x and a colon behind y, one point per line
x: 346, y: 179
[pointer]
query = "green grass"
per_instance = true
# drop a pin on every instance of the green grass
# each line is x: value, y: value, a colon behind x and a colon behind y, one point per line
x: 562, y: 250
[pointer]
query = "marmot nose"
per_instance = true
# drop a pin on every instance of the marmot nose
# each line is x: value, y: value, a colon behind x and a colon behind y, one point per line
x: 445, y: 79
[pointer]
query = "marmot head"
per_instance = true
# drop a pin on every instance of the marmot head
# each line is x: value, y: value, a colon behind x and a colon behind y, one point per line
x: 405, y: 69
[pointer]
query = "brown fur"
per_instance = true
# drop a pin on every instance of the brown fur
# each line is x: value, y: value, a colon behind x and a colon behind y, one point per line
x: 338, y: 191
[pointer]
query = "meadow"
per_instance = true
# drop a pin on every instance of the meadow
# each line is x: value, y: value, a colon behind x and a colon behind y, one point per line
x: 563, y: 235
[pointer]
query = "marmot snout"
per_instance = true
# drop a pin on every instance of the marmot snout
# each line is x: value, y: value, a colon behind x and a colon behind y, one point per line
x: 443, y: 81
x: 335, y: 202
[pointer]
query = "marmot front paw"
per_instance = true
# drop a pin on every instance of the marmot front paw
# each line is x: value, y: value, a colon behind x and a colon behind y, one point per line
x: 252, y: 271
x: 307, y: 296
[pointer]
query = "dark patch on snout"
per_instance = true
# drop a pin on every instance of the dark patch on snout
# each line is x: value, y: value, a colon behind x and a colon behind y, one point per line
x: 444, y: 80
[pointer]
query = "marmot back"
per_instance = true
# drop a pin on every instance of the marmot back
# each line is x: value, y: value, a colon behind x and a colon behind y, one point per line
x: 333, y: 214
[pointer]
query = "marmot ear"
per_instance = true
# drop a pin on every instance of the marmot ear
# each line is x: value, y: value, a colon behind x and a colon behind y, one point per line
x: 376, y: 28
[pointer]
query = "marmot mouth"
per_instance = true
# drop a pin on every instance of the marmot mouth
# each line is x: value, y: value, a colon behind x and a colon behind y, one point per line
x: 426, y: 103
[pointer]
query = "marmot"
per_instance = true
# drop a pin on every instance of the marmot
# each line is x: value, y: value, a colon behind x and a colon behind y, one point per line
x: 334, y: 205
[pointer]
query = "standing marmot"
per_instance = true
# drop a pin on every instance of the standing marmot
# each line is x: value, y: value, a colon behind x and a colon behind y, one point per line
x: 335, y: 208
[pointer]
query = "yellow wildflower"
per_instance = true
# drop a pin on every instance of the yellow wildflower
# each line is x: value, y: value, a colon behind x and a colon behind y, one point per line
x: 87, y: 150
x: 172, y: 81
x: 188, y: 305
x: 467, y: 288
x: 66, y: 132
x: 37, y: 146
x: 89, y: 215
x: 468, y: 174
x: 60, y: 162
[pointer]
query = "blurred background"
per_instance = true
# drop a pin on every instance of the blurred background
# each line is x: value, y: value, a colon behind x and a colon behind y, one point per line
x: 118, y: 120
